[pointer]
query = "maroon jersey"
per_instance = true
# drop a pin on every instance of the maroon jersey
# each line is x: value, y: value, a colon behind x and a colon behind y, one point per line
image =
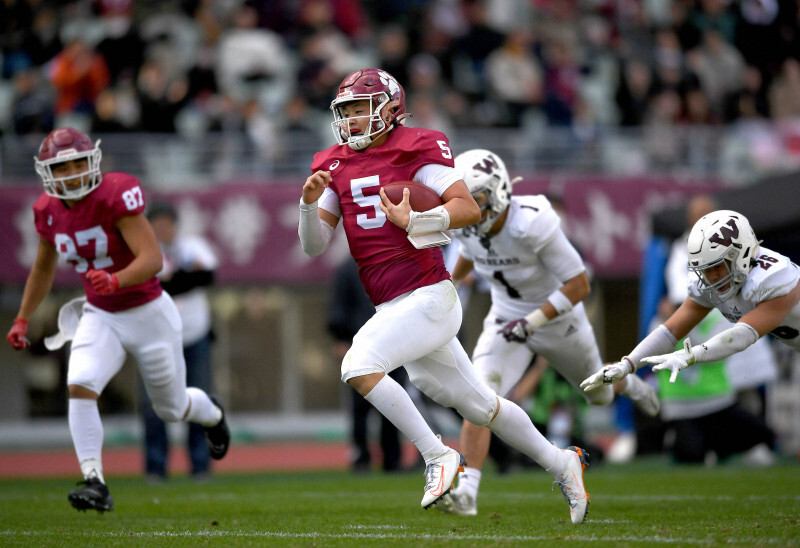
x: 388, y: 264
x: 85, y: 235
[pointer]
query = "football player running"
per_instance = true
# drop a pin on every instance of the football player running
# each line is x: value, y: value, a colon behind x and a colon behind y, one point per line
x: 96, y: 223
x: 538, y: 282
x: 417, y: 309
x: 755, y: 288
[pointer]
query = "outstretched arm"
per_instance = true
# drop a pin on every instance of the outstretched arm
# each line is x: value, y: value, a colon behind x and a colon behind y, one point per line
x: 765, y: 317
x: 37, y: 286
x: 659, y: 341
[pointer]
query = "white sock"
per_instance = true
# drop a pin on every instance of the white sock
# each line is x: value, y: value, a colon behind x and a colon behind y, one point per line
x: 514, y: 426
x: 394, y: 403
x: 202, y: 410
x: 87, y: 436
x: 469, y: 481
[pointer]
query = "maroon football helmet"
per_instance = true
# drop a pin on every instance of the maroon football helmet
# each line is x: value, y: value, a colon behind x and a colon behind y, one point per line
x: 382, y: 90
x: 63, y: 145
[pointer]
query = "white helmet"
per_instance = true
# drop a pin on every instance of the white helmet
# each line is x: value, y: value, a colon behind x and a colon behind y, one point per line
x: 722, y: 237
x: 484, y: 171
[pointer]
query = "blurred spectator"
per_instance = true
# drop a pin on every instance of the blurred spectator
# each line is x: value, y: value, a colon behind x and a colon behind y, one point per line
x: 106, y: 116
x: 78, y: 75
x: 784, y: 93
x: 393, y: 51
x: 563, y: 74
x: 32, y: 103
x: 716, y: 15
x: 751, y: 100
x: 719, y: 66
x: 515, y: 77
x: 43, y: 41
x: 252, y: 62
x: 470, y: 51
x: 637, y: 88
x: 15, y: 22
x: 161, y: 97
x: 121, y: 47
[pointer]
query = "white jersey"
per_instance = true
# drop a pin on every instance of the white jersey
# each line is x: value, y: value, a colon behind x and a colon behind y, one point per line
x: 524, y: 263
x: 774, y: 275
x: 519, y: 262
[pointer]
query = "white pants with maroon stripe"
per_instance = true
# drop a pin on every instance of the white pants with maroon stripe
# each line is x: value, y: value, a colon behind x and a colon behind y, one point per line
x: 151, y: 333
x: 418, y: 330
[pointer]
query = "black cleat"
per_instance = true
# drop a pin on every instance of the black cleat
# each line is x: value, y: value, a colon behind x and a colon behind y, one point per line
x: 93, y: 495
x: 218, y: 437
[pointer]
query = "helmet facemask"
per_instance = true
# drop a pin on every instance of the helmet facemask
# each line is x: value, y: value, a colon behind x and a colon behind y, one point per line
x: 725, y: 287
x: 375, y: 127
x: 386, y: 107
x: 59, y: 187
x: 722, y: 239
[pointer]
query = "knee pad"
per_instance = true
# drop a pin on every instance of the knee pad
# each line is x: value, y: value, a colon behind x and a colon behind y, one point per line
x: 476, y: 407
x: 479, y: 415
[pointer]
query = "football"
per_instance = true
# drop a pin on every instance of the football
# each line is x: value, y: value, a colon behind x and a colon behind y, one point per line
x: 422, y: 198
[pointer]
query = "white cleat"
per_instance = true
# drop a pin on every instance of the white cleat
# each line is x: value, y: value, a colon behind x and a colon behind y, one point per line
x: 440, y: 473
x: 645, y: 397
x: 460, y: 504
x: 571, y: 484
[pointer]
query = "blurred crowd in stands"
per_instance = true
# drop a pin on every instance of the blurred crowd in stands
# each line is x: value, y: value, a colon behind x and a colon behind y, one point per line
x: 268, y: 68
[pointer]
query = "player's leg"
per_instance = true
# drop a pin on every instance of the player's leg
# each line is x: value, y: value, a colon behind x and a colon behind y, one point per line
x: 569, y: 344
x: 447, y: 377
x: 96, y: 356
x: 500, y: 364
x: 401, y: 331
x: 152, y: 334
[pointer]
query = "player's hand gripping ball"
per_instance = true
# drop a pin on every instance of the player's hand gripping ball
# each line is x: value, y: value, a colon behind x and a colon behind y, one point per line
x: 422, y: 198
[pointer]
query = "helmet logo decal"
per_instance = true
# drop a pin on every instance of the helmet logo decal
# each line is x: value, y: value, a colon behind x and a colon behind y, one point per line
x: 334, y: 165
x: 725, y: 235
x: 388, y: 80
x: 488, y: 165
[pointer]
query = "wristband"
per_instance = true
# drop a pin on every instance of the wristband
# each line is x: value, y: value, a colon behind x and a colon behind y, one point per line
x: 308, y: 207
x: 630, y: 362
x: 536, y: 318
x: 425, y: 222
x: 560, y: 302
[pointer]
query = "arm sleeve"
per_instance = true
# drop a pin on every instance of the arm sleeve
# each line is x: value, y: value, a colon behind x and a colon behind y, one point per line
x: 725, y: 344
x: 315, y: 234
x: 659, y: 341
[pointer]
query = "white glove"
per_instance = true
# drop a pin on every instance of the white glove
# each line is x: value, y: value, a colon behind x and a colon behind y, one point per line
x: 608, y: 375
x: 674, y: 361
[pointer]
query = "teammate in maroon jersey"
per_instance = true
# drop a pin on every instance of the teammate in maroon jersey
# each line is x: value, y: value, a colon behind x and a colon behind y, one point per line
x: 417, y: 309
x: 96, y: 223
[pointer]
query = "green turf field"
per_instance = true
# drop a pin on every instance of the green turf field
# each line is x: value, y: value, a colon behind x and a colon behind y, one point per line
x: 646, y: 503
